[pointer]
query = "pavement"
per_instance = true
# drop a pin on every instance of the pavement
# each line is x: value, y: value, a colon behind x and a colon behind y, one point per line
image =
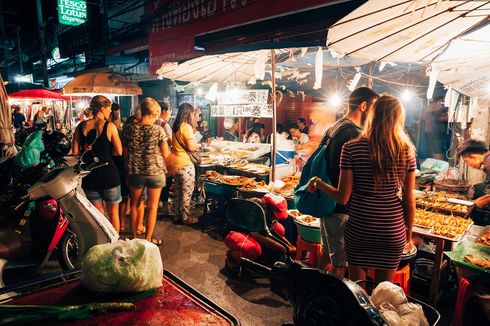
x: 198, y: 257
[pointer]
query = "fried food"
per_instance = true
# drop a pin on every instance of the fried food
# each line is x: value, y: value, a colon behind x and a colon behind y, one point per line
x: 443, y: 225
x: 438, y: 200
x: 211, y: 176
x: 294, y: 179
x: 294, y: 213
x: 309, y: 219
x: 234, y: 180
x: 254, y: 185
x: 484, y: 239
x: 478, y: 261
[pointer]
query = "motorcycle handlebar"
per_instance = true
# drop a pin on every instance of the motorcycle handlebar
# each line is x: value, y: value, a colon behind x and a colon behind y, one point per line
x: 94, y: 165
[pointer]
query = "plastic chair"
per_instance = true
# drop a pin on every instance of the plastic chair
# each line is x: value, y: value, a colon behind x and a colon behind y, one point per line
x: 465, y: 291
x: 245, y: 216
x: 313, y: 249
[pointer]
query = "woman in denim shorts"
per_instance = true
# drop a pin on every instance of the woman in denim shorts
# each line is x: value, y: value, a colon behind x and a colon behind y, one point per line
x: 102, y: 184
x: 145, y: 150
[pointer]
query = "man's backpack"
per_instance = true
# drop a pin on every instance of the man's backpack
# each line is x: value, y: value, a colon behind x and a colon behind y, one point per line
x: 317, y: 203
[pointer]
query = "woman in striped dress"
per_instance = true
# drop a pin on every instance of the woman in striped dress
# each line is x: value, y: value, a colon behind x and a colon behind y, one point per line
x: 373, y: 168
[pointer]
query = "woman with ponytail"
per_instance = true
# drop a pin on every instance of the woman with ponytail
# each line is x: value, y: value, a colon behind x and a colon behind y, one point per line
x: 374, y: 167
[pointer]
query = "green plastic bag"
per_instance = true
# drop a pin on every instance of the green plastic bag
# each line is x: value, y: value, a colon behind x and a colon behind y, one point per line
x: 30, y: 154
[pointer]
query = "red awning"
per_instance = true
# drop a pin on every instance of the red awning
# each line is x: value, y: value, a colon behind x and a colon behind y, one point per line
x: 38, y: 94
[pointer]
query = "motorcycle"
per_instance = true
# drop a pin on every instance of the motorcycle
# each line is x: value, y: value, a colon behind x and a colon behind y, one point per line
x: 75, y: 224
x: 318, y: 298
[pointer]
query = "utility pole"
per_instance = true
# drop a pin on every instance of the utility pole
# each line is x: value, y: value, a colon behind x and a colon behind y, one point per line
x: 21, y: 71
x: 42, y: 39
x: 4, y: 46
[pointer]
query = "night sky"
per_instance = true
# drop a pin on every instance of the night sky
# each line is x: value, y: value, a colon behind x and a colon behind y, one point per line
x: 27, y: 19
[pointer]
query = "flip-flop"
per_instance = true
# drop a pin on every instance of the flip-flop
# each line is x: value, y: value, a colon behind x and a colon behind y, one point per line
x: 142, y: 231
x: 157, y: 242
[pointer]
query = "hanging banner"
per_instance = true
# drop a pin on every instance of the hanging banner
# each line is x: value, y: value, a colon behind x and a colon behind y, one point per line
x: 242, y: 110
x: 244, y: 96
x: 176, y: 23
x: 243, y: 103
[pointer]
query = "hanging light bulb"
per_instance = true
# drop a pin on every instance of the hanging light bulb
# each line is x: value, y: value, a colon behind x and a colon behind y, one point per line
x: 407, y: 95
x: 335, y: 100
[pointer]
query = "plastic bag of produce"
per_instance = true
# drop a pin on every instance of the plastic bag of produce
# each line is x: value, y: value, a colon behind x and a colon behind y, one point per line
x: 412, y: 314
x: 388, y: 292
x: 123, y: 266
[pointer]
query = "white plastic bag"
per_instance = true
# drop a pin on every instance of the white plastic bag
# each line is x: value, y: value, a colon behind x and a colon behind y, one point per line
x: 123, y: 266
x: 388, y: 292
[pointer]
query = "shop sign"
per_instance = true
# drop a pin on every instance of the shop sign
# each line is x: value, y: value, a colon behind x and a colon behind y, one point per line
x: 243, y: 103
x: 176, y: 23
x: 72, y: 12
x: 242, y: 110
x: 244, y: 96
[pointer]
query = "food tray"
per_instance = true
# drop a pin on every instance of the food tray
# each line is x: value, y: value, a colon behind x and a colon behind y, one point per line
x: 175, y: 303
x: 218, y: 188
x: 442, y: 210
x: 468, y: 248
x: 428, y: 232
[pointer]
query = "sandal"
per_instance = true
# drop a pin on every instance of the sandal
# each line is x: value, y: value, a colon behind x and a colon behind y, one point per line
x: 143, y: 231
x: 122, y: 229
x: 157, y: 242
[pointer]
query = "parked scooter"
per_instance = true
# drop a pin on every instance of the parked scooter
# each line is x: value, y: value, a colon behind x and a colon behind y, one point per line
x: 80, y: 225
x: 318, y: 298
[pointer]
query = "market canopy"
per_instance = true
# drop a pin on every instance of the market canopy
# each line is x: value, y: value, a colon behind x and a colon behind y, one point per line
x: 101, y: 83
x: 405, y: 31
x: 292, y: 63
x: 465, y: 64
x: 38, y: 94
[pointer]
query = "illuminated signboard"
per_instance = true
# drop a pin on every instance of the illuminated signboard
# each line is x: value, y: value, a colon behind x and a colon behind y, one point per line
x: 72, y: 12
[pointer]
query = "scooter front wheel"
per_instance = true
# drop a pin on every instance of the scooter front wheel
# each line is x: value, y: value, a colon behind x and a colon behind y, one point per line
x: 69, y: 255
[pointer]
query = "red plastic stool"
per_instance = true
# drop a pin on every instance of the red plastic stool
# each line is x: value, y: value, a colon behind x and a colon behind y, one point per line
x: 314, y: 250
x: 402, y: 278
x: 465, y: 291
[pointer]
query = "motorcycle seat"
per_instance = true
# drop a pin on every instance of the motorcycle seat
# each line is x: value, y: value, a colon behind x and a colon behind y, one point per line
x: 11, y: 244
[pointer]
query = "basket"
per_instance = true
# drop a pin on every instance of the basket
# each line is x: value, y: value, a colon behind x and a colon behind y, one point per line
x: 448, y: 187
x: 430, y: 312
x: 308, y: 233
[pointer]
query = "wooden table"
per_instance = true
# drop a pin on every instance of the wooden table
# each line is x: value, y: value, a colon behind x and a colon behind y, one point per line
x: 440, y: 263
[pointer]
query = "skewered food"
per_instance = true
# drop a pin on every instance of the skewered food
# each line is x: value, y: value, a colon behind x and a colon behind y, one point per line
x: 443, y: 225
x: 253, y: 185
x: 438, y: 200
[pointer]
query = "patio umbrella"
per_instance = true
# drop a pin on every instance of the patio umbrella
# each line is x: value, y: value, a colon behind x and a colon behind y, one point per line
x: 38, y: 94
x: 13, y: 87
x: 101, y: 83
x: 465, y: 64
x: 6, y: 132
x: 406, y: 31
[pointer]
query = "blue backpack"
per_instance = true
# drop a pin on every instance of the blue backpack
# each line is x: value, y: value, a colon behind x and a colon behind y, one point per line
x: 317, y: 203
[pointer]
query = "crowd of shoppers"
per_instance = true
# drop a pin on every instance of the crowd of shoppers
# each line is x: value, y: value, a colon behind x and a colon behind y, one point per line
x: 142, y: 156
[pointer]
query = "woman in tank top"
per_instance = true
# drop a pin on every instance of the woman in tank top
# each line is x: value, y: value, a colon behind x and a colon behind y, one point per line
x: 102, y: 184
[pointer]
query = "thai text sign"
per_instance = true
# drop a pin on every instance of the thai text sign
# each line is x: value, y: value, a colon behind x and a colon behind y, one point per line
x: 244, y: 96
x: 72, y: 12
x: 242, y: 110
x: 243, y: 103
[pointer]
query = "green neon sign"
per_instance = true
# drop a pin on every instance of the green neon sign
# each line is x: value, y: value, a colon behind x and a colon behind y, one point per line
x: 72, y: 12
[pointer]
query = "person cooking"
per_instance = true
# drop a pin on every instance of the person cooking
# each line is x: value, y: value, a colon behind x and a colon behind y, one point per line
x: 476, y: 154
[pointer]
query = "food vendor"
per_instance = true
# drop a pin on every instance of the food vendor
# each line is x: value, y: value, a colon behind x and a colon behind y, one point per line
x: 477, y: 155
x: 297, y: 136
x: 231, y: 132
